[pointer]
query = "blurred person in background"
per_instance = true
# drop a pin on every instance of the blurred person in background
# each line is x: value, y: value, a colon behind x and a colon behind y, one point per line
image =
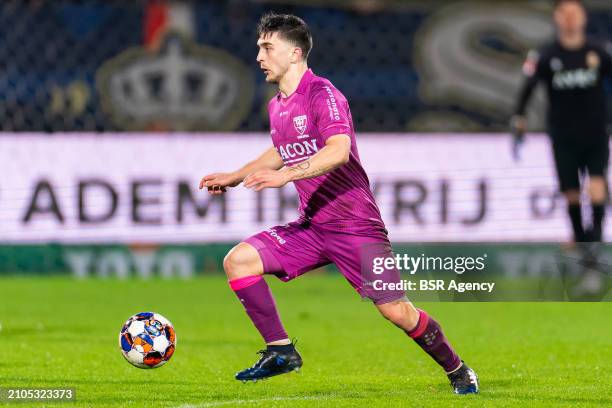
x: 572, y: 67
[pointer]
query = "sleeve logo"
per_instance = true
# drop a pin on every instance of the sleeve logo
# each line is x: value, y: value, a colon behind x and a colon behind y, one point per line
x: 531, y: 63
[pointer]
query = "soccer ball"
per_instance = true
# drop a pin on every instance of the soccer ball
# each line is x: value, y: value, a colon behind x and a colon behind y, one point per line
x: 147, y: 340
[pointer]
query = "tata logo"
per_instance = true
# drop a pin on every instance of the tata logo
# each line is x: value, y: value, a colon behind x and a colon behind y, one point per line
x: 300, y: 123
x: 577, y: 78
x: 180, y: 86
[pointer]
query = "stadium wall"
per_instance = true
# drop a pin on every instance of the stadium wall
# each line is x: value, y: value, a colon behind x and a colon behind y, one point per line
x: 143, y: 188
x: 129, y: 205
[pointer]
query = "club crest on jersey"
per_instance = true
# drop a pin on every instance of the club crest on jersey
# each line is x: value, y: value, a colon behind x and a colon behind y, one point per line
x: 299, y: 123
x: 592, y: 60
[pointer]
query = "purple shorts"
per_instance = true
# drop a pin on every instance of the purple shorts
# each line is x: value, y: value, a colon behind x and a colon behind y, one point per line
x: 290, y: 250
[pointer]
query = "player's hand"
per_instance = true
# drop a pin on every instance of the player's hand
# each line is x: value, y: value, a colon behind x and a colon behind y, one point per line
x: 217, y: 183
x: 518, y: 126
x: 266, y: 179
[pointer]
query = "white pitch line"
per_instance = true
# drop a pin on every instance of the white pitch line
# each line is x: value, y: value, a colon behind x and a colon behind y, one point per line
x: 251, y: 401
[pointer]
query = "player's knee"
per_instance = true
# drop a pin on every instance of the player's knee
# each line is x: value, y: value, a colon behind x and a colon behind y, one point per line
x: 394, y: 312
x: 572, y: 196
x: 242, y: 260
x: 401, y: 313
x: 598, y: 189
x: 234, y: 263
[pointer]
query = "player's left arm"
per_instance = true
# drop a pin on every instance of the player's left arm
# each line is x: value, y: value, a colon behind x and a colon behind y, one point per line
x: 605, y: 54
x: 334, y: 154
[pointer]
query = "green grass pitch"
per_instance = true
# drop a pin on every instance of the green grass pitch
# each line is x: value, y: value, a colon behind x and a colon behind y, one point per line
x: 59, y: 332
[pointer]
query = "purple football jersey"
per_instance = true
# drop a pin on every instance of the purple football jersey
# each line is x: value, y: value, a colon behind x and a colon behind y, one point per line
x: 300, y: 125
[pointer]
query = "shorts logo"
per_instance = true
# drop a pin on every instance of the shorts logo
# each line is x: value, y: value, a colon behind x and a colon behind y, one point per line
x: 299, y: 123
x: 275, y: 235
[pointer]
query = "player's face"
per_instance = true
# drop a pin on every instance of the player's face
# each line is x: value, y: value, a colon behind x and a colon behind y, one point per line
x: 275, y: 56
x: 570, y: 18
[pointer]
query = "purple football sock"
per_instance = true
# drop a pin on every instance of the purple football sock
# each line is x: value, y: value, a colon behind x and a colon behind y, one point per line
x: 254, y: 294
x: 429, y: 335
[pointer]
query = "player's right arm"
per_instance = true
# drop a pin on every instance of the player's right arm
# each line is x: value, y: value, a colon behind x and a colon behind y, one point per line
x: 532, y: 70
x: 217, y: 183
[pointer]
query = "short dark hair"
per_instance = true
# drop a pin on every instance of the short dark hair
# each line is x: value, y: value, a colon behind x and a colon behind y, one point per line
x: 558, y: 3
x: 289, y: 27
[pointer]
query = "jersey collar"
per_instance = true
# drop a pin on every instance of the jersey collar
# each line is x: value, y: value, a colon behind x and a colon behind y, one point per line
x: 301, y: 89
x: 306, y: 79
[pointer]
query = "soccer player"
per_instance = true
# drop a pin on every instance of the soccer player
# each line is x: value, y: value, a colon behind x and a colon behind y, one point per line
x: 572, y: 67
x: 314, y: 147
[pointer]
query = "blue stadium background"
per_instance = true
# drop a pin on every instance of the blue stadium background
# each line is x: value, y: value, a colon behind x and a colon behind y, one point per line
x: 46, y: 46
